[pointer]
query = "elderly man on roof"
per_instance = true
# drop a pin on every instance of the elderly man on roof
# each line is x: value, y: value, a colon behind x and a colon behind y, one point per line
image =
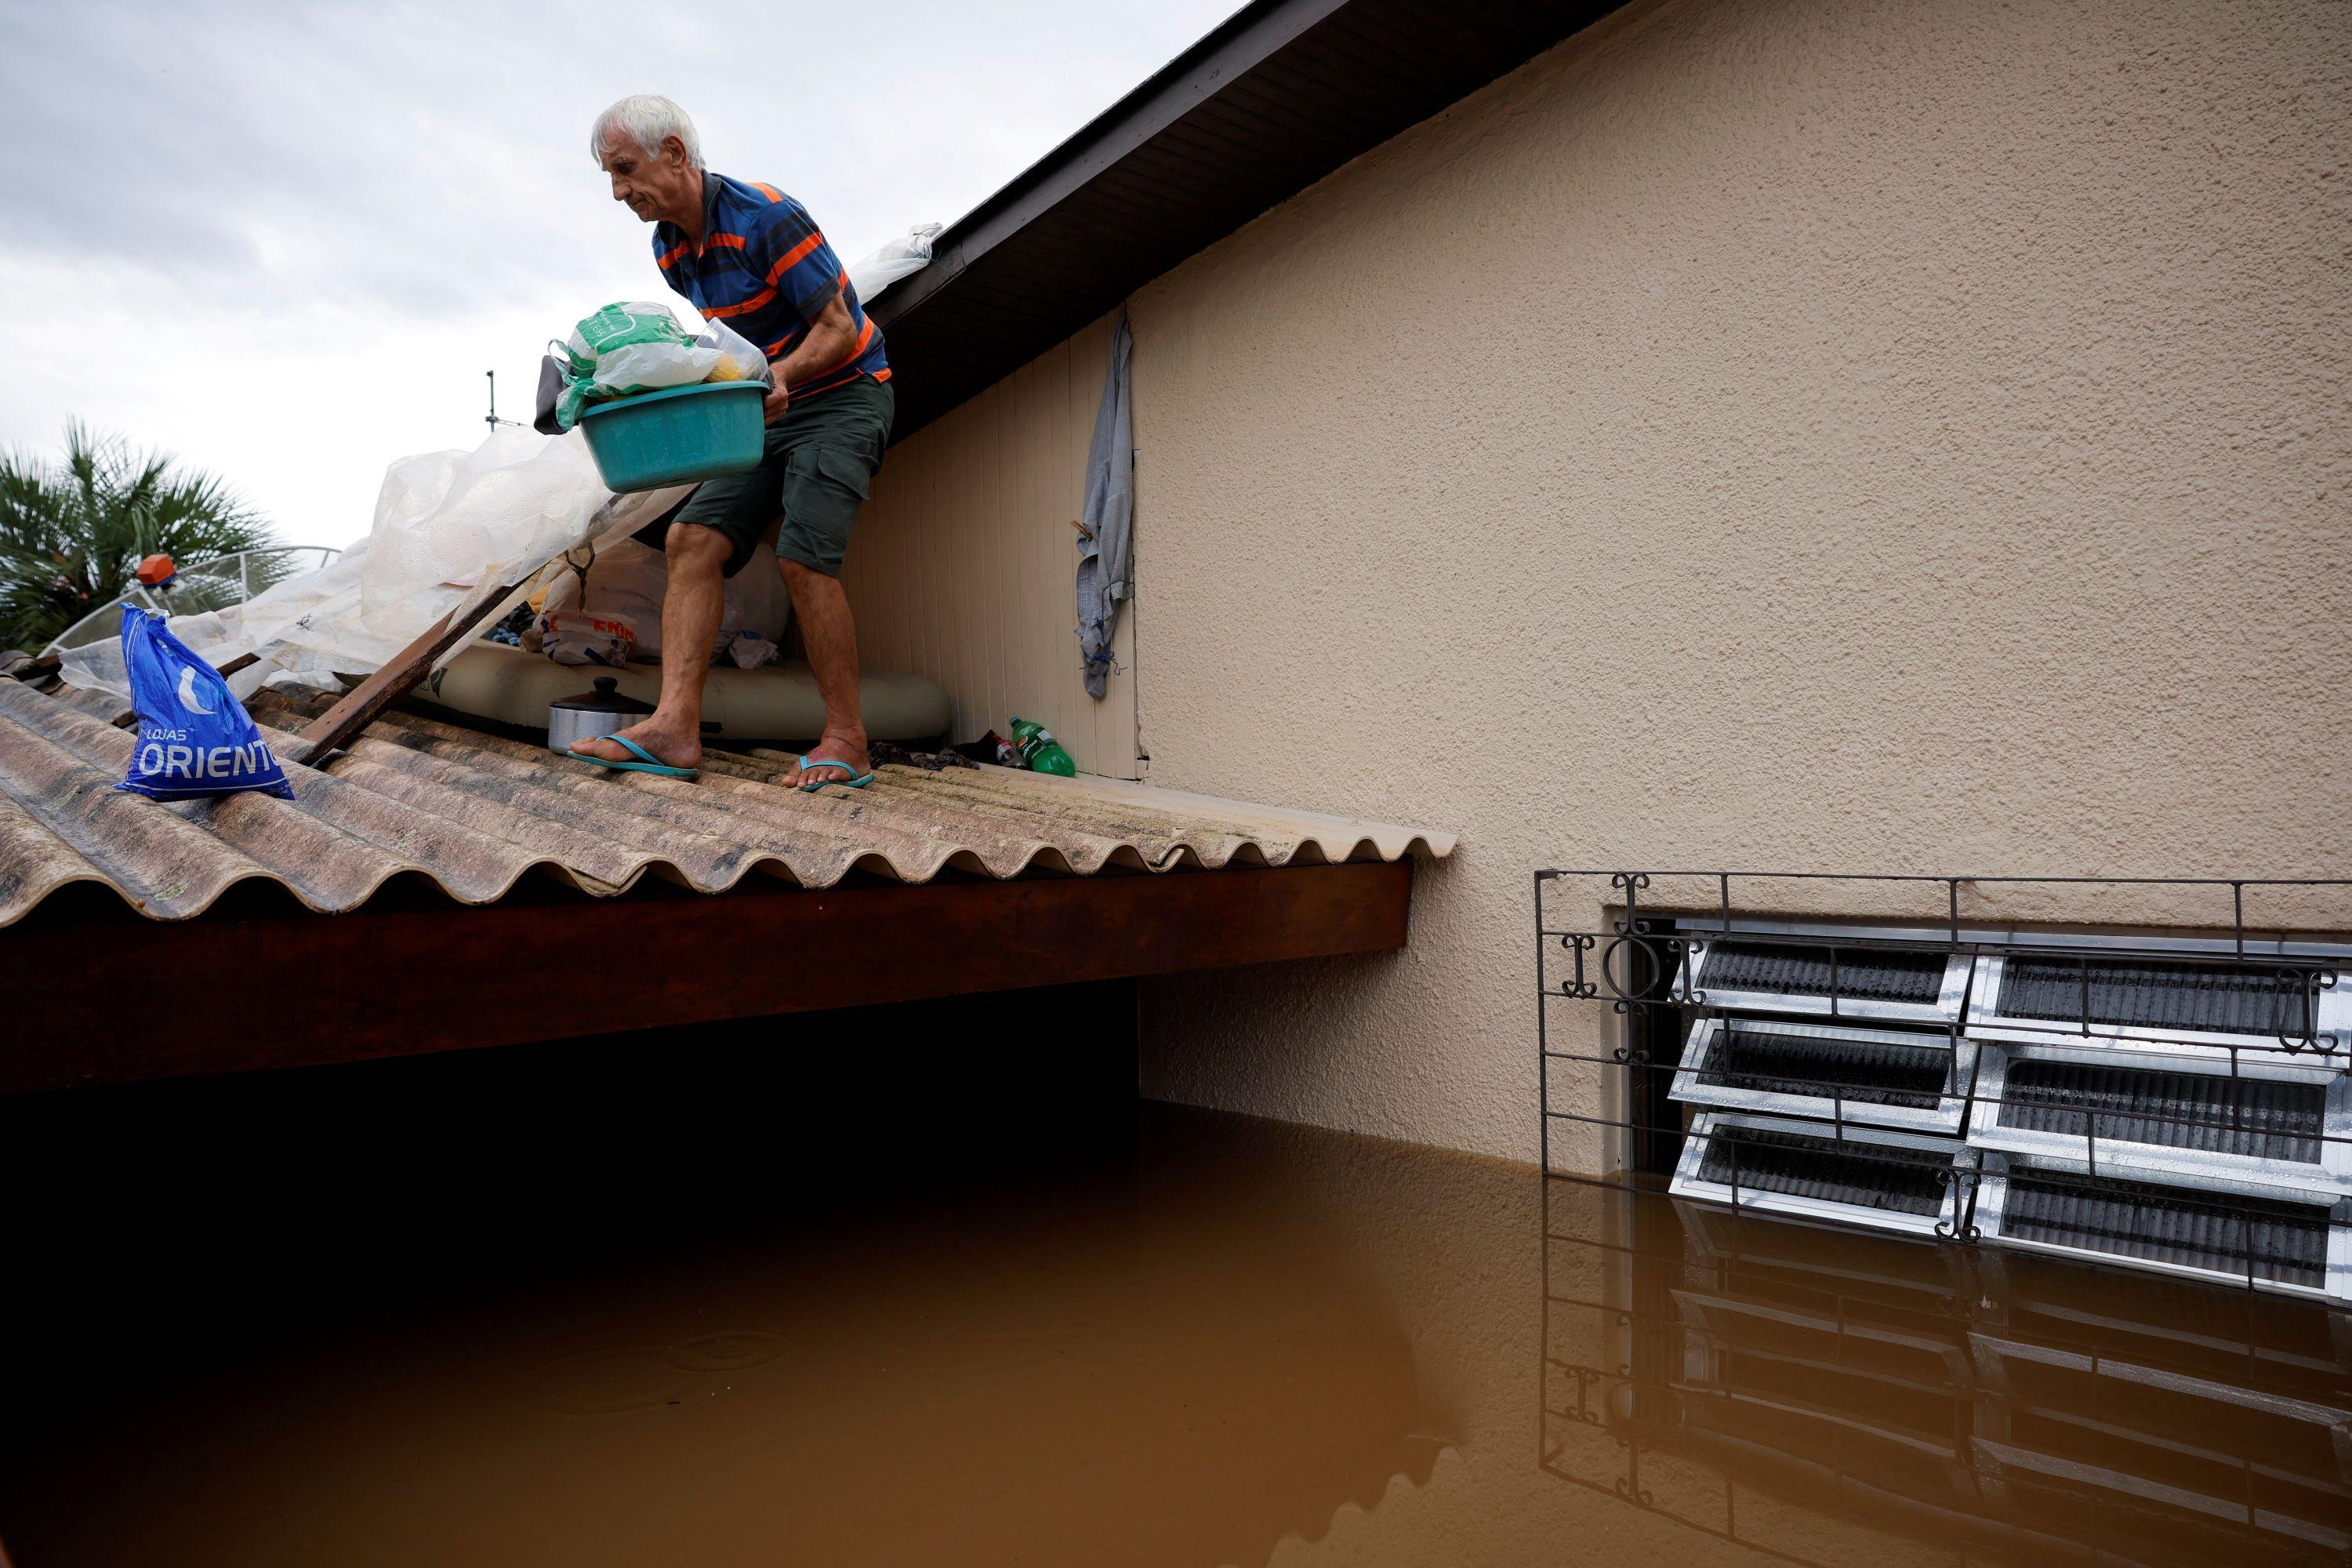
x: 749, y: 255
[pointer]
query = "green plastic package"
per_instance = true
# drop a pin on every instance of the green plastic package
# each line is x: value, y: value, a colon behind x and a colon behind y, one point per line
x: 631, y: 348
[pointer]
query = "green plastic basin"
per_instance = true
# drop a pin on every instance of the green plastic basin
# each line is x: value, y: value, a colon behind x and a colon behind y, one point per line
x: 678, y: 435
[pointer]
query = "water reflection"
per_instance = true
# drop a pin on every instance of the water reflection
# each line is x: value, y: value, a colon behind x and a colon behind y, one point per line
x: 1112, y: 1358
x: 1821, y: 1395
x: 1194, y: 1340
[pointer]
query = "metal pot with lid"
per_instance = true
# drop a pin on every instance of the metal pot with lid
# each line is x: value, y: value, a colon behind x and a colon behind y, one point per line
x: 591, y: 714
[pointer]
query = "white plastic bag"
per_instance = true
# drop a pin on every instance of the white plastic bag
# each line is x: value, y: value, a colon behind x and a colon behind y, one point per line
x: 750, y: 652
x: 639, y: 347
x: 582, y: 637
x: 630, y: 579
x: 649, y: 367
x: 908, y: 254
x: 748, y: 359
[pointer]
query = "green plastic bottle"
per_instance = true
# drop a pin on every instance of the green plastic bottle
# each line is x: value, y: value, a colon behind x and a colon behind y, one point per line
x: 1040, y: 750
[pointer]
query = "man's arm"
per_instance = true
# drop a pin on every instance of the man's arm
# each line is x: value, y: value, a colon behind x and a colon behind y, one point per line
x: 830, y: 338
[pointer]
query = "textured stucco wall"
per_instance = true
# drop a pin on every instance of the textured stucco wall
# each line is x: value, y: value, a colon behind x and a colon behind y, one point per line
x: 1793, y: 433
x: 965, y: 566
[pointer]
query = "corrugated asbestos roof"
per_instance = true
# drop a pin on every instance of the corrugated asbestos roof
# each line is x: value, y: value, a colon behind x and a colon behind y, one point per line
x: 475, y: 813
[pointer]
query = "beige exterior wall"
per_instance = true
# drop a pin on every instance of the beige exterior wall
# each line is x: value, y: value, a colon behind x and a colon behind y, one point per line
x: 965, y: 566
x: 1794, y: 434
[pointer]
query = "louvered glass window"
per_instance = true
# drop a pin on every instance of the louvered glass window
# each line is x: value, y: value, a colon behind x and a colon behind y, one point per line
x: 2285, y: 1010
x: 1881, y: 1179
x: 2294, y: 1246
x: 1863, y: 981
x: 2194, y: 1123
x: 1875, y: 1077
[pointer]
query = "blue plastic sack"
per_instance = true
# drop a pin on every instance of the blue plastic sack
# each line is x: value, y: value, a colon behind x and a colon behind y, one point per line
x: 194, y: 739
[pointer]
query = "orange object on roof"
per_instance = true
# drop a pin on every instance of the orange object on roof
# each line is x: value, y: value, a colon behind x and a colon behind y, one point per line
x: 157, y: 569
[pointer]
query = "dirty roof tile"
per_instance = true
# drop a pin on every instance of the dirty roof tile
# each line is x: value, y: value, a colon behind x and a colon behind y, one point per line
x: 475, y: 813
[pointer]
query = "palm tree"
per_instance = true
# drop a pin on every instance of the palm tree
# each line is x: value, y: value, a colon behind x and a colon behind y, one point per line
x: 72, y: 533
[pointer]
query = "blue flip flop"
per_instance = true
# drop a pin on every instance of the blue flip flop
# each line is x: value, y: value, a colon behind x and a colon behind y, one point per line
x: 860, y: 782
x: 650, y: 765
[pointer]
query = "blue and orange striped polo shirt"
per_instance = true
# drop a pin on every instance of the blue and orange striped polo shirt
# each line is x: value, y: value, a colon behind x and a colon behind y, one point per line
x: 763, y: 268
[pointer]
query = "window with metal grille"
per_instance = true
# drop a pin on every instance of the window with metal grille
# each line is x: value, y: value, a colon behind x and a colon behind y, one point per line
x: 1815, y: 971
x: 2256, y: 1240
x: 2126, y: 994
x: 2179, y: 1102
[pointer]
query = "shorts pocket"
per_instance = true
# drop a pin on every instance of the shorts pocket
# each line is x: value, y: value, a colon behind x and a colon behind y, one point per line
x: 823, y: 488
x: 847, y: 470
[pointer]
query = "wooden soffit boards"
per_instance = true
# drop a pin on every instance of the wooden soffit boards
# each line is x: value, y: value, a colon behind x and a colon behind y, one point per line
x: 126, y: 999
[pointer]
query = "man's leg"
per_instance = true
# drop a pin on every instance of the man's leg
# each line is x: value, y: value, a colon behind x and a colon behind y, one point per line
x: 692, y: 607
x: 831, y: 637
x: 838, y: 441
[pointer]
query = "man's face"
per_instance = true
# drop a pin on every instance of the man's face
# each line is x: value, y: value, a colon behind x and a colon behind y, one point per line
x: 654, y: 185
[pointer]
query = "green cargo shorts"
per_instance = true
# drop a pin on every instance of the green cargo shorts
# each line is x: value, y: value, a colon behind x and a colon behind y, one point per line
x: 814, y: 469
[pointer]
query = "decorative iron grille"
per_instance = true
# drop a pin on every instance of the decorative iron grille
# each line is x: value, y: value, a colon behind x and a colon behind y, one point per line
x: 2157, y: 1099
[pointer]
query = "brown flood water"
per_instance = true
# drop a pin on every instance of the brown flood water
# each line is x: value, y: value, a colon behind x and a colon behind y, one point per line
x: 333, y: 1332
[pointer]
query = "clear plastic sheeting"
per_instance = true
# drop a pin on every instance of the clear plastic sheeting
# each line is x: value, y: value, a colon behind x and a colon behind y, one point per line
x: 213, y: 584
x: 447, y: 518
x: 303, y: 630
x: 903, y: 257
x: 452, y: 528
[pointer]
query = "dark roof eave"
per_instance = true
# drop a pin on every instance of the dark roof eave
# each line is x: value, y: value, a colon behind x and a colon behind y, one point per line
x: 1235, y: 45
x: 1212, y: 107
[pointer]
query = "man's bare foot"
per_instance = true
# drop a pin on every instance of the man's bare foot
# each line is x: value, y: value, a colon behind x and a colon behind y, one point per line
x: 845, y: 748
x: 673, y: 749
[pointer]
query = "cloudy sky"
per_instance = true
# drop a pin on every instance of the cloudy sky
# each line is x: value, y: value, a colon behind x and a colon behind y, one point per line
x: 285, y: 241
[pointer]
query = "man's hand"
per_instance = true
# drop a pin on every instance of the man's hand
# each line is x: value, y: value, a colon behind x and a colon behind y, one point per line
x: 827, y: 345
x: 778, y: 399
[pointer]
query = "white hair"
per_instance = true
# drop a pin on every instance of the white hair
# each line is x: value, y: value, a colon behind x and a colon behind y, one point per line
x: 645, y: 119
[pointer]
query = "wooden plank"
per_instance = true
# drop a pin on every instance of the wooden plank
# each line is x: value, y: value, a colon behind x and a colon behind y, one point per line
x: 412, y: 981
x: 19, y: 665
x: 361, y: 706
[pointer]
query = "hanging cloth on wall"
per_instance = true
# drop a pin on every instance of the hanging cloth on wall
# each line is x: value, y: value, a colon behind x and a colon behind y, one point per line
x: 1106, y: 531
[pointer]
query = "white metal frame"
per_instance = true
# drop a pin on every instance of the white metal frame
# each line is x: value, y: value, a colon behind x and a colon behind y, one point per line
x: 2257, y: 1055
x: 1945, y: 1009
x: 1946, y: 1118
x: 1688, y: 1183
x: 1992, y: 1200
x: 2204, y: 1169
